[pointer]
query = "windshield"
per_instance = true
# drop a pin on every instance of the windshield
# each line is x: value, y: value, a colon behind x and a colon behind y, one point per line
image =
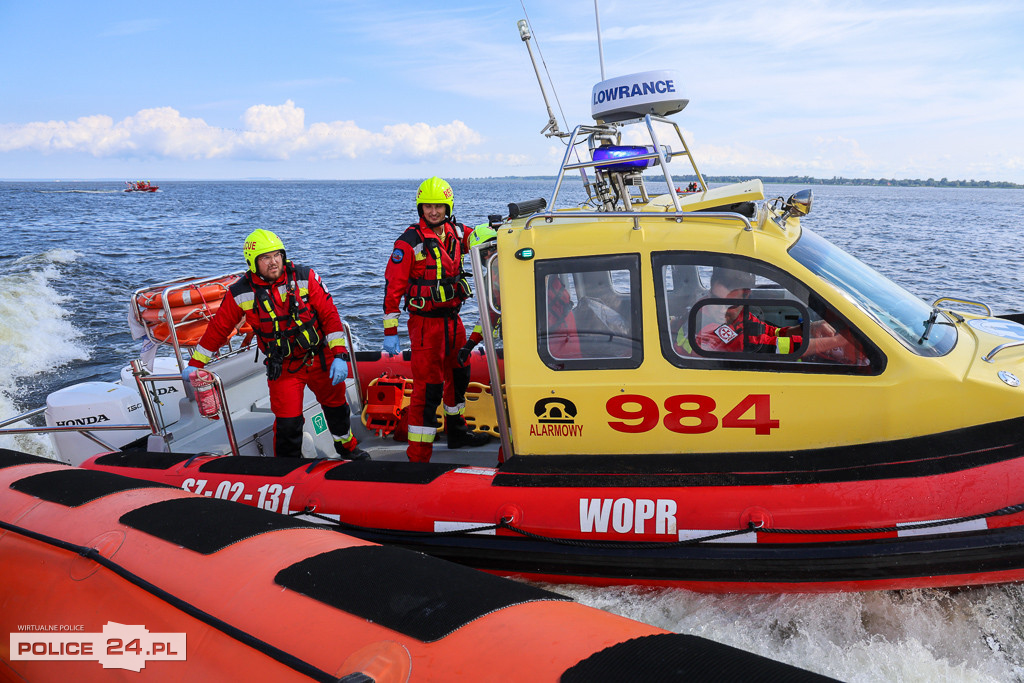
x: 904, y: 315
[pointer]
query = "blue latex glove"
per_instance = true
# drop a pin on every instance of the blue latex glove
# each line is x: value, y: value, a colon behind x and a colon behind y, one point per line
x: 186, y: 374
x: 392, y: 345
x: 339, y: 370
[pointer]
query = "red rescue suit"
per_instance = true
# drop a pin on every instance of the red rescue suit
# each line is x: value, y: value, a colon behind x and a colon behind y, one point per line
x: 299, y: 330
x: 425, y: 271
x: 750, y: 334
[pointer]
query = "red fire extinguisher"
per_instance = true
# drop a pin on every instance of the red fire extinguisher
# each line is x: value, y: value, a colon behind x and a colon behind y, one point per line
x: 206, y: 394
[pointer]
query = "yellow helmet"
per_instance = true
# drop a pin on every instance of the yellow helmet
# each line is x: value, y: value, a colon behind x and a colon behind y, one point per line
x: 481, y: 233
x: 436, y: 191
x: 260, y: 242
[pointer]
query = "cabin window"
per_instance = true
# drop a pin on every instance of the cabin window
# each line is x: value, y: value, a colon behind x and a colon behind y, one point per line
x: 726, y: 312
x: 588, y: 312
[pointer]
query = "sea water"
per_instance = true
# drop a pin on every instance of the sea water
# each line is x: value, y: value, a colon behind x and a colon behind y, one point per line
x: 73, y: 253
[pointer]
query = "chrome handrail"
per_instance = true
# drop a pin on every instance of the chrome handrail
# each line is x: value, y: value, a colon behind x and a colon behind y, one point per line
x: 225, y: 412
x: 944, y: 299
x: 678, y: 216
x: 351, y: 347
x: 84, y: 431
x: 167, y: 288
x: 992, y: 354
x: 23, y: 416
x: 497, y: 388
x: 141, y: 376
x: 612, y: 129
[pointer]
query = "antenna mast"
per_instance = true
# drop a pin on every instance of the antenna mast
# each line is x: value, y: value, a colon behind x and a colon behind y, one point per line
x: 551, y: 129
x: 600, y: 48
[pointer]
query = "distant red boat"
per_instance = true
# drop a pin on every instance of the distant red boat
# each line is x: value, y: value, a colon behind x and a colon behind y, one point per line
x: 140, y: 186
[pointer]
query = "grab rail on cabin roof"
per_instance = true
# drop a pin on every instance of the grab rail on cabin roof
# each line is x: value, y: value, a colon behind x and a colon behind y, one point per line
x: 635, y: 216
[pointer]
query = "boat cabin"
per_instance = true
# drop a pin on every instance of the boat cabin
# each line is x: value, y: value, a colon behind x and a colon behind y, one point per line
x: 714, y: 321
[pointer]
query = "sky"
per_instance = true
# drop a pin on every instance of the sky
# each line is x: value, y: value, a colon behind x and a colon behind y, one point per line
x: 339, y: 89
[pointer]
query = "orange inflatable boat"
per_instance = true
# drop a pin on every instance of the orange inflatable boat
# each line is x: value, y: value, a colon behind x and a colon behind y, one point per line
x: 106, y: 576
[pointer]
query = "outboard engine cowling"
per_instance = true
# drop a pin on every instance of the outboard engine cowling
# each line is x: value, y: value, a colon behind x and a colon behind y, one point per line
x: 93, y: 404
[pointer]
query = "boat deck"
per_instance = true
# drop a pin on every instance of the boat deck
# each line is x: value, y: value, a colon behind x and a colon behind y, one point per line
x: 388, y: 450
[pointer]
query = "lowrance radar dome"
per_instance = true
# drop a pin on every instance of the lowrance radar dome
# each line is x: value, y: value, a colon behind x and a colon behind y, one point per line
x: 636, y: 95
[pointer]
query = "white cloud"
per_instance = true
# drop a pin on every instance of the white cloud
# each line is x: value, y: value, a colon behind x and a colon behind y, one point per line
x: 270, y: 132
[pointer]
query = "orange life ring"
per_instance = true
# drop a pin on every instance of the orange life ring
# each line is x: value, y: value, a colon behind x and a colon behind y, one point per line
x: 189, y: 334
x: 192, y: 295
x: 182, y: 313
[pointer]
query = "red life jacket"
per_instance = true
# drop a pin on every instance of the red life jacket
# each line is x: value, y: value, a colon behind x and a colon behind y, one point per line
x: 443, y: 285
x: 294, y: 334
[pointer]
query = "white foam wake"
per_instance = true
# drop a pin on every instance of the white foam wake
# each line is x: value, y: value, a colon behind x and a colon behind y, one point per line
x: 914, y: 635
x: 36, y: 335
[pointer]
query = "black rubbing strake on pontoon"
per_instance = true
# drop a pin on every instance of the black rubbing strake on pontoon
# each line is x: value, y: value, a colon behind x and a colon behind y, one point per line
x: 414, y: 594
x: 73, y: 487
x: 142, y: 459
x: 254, y: 466
x: 390, y: 472
x: 9, y: 458
x: 679, y: 657
x: 213, y: 524
x: 994, y: 550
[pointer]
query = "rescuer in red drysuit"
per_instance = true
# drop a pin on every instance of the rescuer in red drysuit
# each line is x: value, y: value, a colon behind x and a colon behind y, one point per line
x: 425, y: 270
x: 743, y: 331
x: 299, y: 330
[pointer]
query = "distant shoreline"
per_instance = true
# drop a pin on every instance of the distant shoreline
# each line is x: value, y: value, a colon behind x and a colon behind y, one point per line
x: 679, y: 180
x: 806, y: 180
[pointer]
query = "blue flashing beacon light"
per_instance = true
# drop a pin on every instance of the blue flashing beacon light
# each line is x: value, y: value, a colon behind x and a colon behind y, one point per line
x: 621, y: 157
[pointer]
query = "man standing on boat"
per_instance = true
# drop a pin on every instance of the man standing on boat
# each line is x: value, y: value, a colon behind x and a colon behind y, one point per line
x: 299, y: 330
x: 425, y: 270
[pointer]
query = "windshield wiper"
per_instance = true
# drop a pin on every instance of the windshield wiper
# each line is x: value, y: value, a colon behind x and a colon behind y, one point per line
x: 928, y: 325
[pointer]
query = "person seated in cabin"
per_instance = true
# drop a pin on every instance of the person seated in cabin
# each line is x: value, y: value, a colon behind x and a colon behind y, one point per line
x: 602, y: 317
x: 298, y: 329
x: 562, y: 340
x: 739, y: 330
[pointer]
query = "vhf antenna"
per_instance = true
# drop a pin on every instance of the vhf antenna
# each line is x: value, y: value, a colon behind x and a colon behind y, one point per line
x: 551, y: 129
x: 600, y: 49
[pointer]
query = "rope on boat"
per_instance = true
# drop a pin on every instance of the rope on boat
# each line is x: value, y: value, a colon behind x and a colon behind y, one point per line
x: 654, y: 545
x: 1009, y: 510
x: 287, y: 658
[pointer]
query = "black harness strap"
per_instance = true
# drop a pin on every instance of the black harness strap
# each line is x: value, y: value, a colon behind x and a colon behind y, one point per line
x: 289, y: 331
